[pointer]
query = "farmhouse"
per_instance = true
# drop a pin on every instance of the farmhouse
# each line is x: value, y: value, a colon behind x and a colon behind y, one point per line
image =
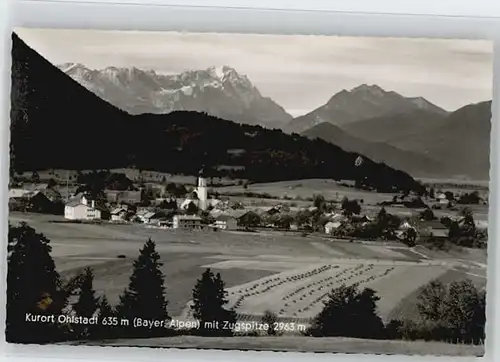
x: 403, y: 228
x: 148, y: 217
x: 187, y: 222
x: 405, y: 225
x: 81, y: 208
x: 119, y: 214
x: 33, y: 201
x: 432, y: 229
x: 226, y: 222
x: 331, y: 226
x: 18, y: 193
x: 273, y: 210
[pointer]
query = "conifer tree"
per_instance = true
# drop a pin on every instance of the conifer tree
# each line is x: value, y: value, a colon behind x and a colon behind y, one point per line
x: 87, y: 303
x: 106, y: 313
x: 33, y: 287
x: 145, y: 296
x: 209, y: 297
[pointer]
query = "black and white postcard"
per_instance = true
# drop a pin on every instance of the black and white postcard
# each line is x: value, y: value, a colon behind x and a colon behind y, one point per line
x: 249, y: 192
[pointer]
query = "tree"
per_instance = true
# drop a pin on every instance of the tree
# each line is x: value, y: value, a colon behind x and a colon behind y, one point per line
x: 319, y: 202
x: 192, y: 209
x: 33, y: 286
x: 303, y: 218
x: 430, y: 301
x: 87, y: 303
x: 349, y: 313
x: 449, y: 196
x: 463, y: 233
x: 209, y: 297
x: 145, y: 296
x: 270, y: 319
x: 427, y: 215
x: 171, y: 189
x: 464, y: 310
x: 35, y: 178
x: 51, y: 184
x: 147, y: 194
x: 410, y: 236
x: 106, y: 313
x: 393, y: 329
x: 350, y: 207
x: 456, y: 311
x: 284, y: 221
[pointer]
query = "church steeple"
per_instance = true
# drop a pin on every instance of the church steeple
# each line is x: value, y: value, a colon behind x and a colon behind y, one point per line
x: 201, y: 190
x: 201, y: 177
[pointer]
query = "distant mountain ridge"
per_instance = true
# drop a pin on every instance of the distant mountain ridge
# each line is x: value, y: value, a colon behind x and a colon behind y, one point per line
x: 393, y: 126
x: 218, y: 91
x: 57, y: 123
x: 415, y: 164
x: 361, y: 103
x: 460, y: 141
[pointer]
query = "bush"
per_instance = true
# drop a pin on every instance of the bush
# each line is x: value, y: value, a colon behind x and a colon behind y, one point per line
x: 349, y: 313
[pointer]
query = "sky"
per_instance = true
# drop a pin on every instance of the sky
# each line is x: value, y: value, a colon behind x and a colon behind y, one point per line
x: 299, y: 72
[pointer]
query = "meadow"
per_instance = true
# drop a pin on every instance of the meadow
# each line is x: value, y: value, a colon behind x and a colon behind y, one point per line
x: 284, y: 272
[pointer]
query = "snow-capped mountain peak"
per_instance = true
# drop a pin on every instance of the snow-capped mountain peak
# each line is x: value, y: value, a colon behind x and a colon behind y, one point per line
x: 219, y: 90
x: 217, y: 72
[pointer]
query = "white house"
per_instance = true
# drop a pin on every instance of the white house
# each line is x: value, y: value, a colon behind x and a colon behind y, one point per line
x: 187, y: 222
x: 18, y: 193
x: 118, y: 214
x: 405, y: 225
x: 440, y: 196
x: 226, y: 222
x: 331, y: 226
x: 146, y: 218
x: 81, y: 208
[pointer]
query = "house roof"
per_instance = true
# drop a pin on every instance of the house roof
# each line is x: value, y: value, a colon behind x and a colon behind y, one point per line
x: 16, y: 192
x: 149, y: 215
x: 336, y: 217
x: 74, y: 203
x: 433, y: 224
x: 118, y: 210
x: 334, y: 224
x: 238, y: 213
x: 224, y: 218
x: 188, y: 217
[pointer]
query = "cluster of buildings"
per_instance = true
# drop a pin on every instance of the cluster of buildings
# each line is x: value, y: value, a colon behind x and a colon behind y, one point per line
x: 221, y: 215
x: 82, y: 207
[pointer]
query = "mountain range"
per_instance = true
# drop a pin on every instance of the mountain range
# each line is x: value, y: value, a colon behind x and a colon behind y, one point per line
x: 219, y: 91
x: 407, y: 133
x: 58, y: 123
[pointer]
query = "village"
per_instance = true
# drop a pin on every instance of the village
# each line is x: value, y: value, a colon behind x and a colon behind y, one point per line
x: 402, y: 218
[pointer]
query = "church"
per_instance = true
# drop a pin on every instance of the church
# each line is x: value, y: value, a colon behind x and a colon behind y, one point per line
x: 201, y: 200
